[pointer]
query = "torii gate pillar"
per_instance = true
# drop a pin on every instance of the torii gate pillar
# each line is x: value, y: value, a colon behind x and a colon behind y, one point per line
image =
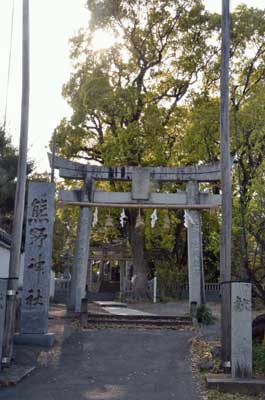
x: 195, y: 259
x: 79, y: 272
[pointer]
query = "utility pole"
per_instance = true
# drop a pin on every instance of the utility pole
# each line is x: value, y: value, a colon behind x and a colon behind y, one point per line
x: 14, y: 265
x: 225, y: 267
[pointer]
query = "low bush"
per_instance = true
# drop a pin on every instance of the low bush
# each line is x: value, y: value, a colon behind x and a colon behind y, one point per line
x: 259, y: 357
x: 204, y: 315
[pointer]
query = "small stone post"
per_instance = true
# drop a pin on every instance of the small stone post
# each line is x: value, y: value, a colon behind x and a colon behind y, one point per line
x: 194, y: 246
x: 37, y: 271
x: 241, y: 335
x: 79, y: 272
x: 122, y: 276
x: 155, y: 290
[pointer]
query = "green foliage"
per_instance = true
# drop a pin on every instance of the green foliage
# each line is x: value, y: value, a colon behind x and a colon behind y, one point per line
x: 204, y: 315
x: 153, y: 99
x: 8, y: 174
x: 64, y: 235
x: 211, y: 245
x: 259, y: 358
x: 201, y: 141
x: 8, y: 171
x: 125, y: 99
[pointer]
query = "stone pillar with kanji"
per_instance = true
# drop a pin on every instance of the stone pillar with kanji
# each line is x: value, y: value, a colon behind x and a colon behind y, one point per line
x: 37, y: 269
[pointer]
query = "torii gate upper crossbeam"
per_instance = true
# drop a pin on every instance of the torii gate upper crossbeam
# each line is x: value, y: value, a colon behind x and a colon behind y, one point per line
x: 200, y: 173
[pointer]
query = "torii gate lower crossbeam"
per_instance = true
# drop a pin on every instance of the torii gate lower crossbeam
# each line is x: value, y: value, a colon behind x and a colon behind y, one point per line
x: 141, y: 197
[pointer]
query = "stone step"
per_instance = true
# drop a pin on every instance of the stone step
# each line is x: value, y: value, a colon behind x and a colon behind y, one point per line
x: 138, y: 321
x: 135, y: 323
x: 140, y: 317
x: 152, y: 321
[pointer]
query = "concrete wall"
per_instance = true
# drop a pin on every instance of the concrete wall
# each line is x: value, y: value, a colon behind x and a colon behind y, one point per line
x: 4, y: 264
x: 4, y: 261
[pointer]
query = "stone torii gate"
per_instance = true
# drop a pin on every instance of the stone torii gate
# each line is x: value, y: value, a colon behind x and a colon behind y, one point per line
x: 40, y: 219
x: 139, y: 197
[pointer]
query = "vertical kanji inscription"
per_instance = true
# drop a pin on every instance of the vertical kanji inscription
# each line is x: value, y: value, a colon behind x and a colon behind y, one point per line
x: 36, y: 285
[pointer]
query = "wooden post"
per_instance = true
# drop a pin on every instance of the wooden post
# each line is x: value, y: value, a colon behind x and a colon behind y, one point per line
x: 225, y: 266
x: 14, y: 264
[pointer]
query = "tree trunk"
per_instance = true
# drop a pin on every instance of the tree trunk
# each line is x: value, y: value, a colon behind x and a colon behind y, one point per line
x: 137, y: 242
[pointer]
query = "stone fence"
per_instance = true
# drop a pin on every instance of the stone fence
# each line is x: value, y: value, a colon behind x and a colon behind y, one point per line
x: 62, y: 290
x: 212, y: 292
x: 175, y: 291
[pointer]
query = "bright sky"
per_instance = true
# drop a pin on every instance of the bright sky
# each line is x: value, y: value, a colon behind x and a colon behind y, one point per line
x: 53, y: 22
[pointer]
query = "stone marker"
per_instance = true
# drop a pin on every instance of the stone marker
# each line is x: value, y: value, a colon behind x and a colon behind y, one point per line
x: 140, y: 184
x: 3, y: 293
x: 241, y: 340
x: 37, y: 271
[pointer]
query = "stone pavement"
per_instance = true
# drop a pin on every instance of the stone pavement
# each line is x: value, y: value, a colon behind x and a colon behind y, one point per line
x: 125, y: 311
x: 116, y: 308
x: 173, y: 308
x: 208, y: 332
x: 107, y: 364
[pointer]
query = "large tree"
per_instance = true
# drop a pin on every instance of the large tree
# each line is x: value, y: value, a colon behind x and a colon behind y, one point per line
x: 152, y: 99
x: 127, y: 101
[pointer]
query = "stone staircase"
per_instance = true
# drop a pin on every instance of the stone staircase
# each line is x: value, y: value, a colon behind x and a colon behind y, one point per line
x: 117, y: 315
